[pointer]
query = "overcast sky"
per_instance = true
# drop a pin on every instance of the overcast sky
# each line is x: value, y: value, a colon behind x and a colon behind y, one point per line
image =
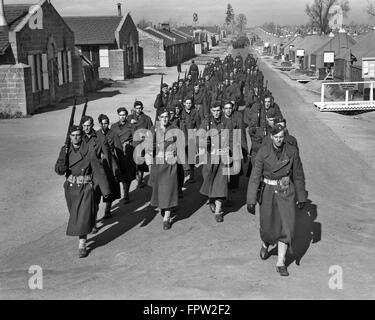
x: 209, y: 11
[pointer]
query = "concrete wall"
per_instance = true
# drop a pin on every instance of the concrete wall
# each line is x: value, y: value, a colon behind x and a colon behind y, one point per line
x: 117, y: 63
x: 153, y: 49
x: 15, y: 90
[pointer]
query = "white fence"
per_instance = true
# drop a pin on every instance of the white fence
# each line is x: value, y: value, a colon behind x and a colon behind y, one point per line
x: 348, y: 104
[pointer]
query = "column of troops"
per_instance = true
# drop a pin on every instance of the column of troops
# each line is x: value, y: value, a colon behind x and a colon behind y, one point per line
x: 97, y: 162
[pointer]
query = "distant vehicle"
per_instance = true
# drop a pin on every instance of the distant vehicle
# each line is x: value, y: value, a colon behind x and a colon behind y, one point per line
x: 240, y: 42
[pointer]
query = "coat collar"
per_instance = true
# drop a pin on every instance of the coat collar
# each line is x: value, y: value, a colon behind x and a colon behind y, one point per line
x: 77, y: 156
x: 279, y: 163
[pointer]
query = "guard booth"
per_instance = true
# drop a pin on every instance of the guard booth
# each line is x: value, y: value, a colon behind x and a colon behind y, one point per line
x: 348, y: 101
x: 368, y: 72
x: 300, y: 53
x: 356, y: 96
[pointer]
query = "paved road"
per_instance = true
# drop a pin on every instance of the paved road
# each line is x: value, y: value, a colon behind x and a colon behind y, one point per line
x: 133, y: 258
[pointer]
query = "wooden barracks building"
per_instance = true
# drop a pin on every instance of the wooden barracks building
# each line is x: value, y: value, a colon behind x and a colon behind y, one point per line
x: 111, y: 42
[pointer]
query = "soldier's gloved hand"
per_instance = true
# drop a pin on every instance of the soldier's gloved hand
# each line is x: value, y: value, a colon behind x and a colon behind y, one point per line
x: 251, y: 208
x: 301, y: 205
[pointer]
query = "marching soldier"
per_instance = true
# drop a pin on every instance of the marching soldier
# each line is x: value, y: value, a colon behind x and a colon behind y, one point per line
x: 101, y: 148
x: 200, y: 103
x: 163, y: 174
x: 82, y: 169
x: 279, y: 166
x: 194, y: 72
x: 233, y: 121
x: 215, y: 181
x: 190, y: 120
x: 162, y: 98
x: 124, y: 129
x: 140, y: 122
x: 110, y: 161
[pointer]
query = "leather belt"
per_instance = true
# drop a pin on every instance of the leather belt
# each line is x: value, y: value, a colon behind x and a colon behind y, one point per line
x: 79, y: 179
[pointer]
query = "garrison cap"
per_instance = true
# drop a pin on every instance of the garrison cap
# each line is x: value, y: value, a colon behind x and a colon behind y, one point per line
x: 162, y: 110
x: 75, y: 128
x: 277, y: 129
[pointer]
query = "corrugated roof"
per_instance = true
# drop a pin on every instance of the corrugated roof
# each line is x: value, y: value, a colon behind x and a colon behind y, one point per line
x: 365, y: 47
x: 339, y: 43
x: 183, y: 34
x: 312, y: 42
x: 187, y: 30
x: 94, y: 29
x: 178, y: 38
x: 167, y: 42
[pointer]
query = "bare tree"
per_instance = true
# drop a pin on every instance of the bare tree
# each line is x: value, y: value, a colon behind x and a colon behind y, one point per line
x: 241, y: 22
x: 144, y: 23
x: 320, y: 13
x: 229, y: 18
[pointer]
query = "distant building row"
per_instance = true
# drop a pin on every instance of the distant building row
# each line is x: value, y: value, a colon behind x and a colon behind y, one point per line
x: 348, y: 51
x: 45, y: 58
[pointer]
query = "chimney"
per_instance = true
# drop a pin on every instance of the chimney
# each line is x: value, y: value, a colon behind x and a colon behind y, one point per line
x: 119, y: 9
x: 3, y: 22
x: 166, y: 26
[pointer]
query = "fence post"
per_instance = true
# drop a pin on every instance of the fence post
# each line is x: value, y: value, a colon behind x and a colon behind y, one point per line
x: 346, y: 98
x: 372, y: 94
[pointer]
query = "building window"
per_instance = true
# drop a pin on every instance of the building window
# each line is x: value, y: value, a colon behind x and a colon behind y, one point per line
x: 39, y: 72
x: 64, y: 61
x: 103, y: 57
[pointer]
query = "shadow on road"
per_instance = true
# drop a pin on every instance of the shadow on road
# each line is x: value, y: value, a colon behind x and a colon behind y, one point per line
x: 125, y: 217
x: 193, y: 200
x: 307, y: 231
x: 67, y: 103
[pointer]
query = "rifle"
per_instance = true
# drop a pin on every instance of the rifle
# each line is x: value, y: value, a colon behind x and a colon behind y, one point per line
x: 84, y: 108
x: 161, y: 85
x: 161, y: 92
x: 67, y: 139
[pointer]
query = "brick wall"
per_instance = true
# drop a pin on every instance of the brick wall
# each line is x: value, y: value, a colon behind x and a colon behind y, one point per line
x: 153, y: 50
x: 26, y: 41
x: 117, y: 64
x: 104, y: 73
x: 15, y: 89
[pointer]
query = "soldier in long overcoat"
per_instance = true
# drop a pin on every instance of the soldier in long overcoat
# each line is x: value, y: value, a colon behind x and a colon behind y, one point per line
x: 110, y: 161
x: 215, y: 179
x: 233, y: 121
x: 124, y: 129
x: 141, y: 123
x: 82, y: 169
x: 102, y: 150
x: 163, y: 174
x: 278, y: 165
